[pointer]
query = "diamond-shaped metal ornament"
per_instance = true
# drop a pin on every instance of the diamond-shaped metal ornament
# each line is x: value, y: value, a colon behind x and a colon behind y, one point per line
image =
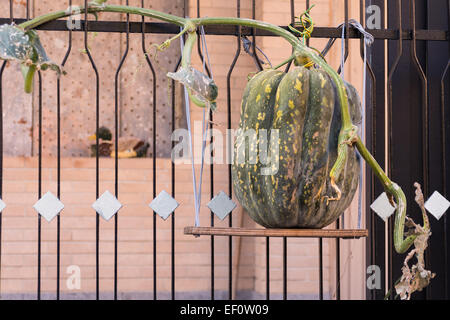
x: 48, y: 206
x: 437, y: 204
x: 221, y: 205
x: 2, y: 205
x: 164, y: 204
x: 107, y: 205
x: 382, y: 207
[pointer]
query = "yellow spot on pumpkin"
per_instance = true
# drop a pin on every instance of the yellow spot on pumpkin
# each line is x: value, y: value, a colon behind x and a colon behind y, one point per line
x: 324, y: 101
x: 261, y: 116
x: 258, y: 97
x: 268, y: 89
x: 291, y: 104
x: 279, y: 113
x: 278, y: 95
x: 298, y: 86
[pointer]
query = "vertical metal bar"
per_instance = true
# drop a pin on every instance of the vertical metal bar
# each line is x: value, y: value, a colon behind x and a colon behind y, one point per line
x: 154, y: 181
x: 152, y: 70
x: 284, y: 268
x: 338, y: 265
x: 200, y: 53
x: 97, y: 162
x: 230, y: 188
x: 347, y: 29
x: 425, y: 131
x: 346, y: 34
x: 308, y: 4
x: 372, y: 98
x: 39, y: 172
x: 390, y: 126
x: 39, y: 242
x: 58, y: 165
x: 320, y: 239
x: 377, y: 135
x: 424, y: 82
x: 255, y: 55
x: 173, y: 189
x: 320, y: 269
x: 39, y: 186
x: 338, y: 242
x: 116, y: 146
x: 444, y: 173
x: 211, y: 168
x: 292, y: 11
x: 173, y: 176
x: 444, y: 161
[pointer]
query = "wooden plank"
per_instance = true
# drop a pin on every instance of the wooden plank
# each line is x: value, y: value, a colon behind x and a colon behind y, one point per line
x: 297, y: 233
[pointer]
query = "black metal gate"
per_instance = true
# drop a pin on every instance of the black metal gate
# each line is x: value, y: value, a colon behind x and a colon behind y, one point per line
x: 417, y: 128
x: 416, y: 112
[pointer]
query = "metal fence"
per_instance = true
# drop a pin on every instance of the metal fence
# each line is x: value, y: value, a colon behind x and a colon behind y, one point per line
x: 417, y: 94
x: 413, y: 142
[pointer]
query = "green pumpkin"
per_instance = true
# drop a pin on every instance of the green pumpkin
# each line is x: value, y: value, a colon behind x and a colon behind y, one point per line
x: 285, y: 182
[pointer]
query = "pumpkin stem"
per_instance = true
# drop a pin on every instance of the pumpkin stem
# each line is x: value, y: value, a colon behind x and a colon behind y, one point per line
x: 401, y: 244
x: 346, y: 140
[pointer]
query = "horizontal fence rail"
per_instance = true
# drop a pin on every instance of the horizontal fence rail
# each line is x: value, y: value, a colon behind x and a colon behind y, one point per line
x: 225, y: 30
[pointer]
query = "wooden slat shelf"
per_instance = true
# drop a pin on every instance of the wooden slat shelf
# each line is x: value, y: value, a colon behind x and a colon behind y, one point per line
x: 294, y: 233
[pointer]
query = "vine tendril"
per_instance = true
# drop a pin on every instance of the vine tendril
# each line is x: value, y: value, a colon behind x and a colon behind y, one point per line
x: 306, y: 22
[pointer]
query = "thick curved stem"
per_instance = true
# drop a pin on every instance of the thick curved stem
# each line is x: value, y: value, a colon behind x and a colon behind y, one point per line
x: 401, y: 244
x: 186, y: 62
x: 31, y: 24
x: 187, y: 50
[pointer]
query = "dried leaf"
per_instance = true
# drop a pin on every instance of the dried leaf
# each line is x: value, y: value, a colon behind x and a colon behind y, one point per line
x: 417, y: 277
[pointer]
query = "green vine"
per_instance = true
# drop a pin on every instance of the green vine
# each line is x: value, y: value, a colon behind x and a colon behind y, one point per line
x: 348, y: 137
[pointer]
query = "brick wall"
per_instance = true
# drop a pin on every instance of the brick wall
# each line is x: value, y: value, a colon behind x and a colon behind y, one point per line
x: 135, y: 248
x: 135, y: 234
